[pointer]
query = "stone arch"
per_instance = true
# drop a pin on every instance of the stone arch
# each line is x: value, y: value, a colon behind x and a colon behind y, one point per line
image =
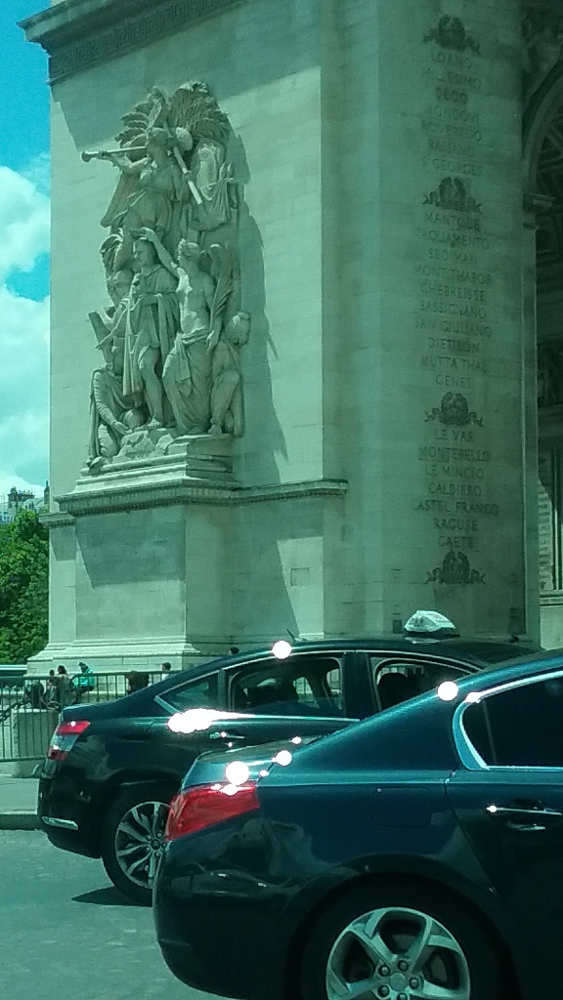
x: 543, y: 186
x: 538, y: 117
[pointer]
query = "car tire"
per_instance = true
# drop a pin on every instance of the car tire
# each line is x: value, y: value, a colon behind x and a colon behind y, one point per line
x: 132, y: 838
x: 397, y: 911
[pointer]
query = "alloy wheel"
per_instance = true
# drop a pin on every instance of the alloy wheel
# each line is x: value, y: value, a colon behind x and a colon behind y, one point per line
x: 396, y: 953
x: 139, y: 841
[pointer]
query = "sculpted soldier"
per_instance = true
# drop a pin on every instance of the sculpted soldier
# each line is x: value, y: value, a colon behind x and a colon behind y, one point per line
x: 188, y: 367
x: 226, y: 395
x: 152, y: 322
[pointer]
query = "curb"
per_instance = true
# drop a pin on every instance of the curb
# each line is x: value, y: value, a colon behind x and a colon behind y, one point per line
x: 18, y: 819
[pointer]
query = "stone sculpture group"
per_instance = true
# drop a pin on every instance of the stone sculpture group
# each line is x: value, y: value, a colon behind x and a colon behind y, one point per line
x: 171, y: 339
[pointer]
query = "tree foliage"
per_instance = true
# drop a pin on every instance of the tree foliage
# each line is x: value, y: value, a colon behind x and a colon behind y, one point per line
x: 24, y: 588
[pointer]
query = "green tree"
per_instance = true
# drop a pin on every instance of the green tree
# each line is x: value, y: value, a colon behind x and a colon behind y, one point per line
x: 24, y: 587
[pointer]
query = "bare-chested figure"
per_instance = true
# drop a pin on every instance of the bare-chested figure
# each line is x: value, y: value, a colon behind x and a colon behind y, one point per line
x: 187, y: 372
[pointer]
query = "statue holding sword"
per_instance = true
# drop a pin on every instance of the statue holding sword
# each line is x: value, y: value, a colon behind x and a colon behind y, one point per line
x: 175, y: 178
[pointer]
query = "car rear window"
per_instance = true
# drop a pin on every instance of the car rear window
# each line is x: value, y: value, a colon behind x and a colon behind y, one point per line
x: 200, y: 693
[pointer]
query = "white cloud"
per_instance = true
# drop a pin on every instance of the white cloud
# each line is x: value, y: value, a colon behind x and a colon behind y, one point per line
x: 38, y: 171
x: 24, y: 222
x: 24, y: 330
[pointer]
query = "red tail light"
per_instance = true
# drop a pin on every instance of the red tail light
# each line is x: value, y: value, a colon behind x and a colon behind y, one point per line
x: 64, y: 738
x: 205, y: 805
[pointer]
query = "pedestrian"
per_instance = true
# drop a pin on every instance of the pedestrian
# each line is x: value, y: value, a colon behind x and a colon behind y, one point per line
x: 165, y: 669
x: 34, y: 694
x: 64, y: 687
x: 83, y: 682
x: 136, y: 680
x: 52, y: 692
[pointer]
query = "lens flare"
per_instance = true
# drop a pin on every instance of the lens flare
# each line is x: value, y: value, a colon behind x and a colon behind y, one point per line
x: 448, y: 691
x: 281, y: 649
x: 237, y: 772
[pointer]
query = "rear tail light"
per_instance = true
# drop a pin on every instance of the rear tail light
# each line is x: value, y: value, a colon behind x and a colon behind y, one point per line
x: 206, y: 805
x: 64, y: 738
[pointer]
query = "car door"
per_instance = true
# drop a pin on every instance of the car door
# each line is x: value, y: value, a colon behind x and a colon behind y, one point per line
x: 285, y: 699
x: 399, y: 677
x: 509, y: 801
x: 198, y: 695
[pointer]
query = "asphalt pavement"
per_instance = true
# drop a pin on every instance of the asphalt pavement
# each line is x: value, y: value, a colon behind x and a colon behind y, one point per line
x: 65, y: 931
x: 18, y: 803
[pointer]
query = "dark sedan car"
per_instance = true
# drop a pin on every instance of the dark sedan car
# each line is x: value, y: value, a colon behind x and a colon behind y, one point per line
x: 418, y: 854
x: 112, y: 768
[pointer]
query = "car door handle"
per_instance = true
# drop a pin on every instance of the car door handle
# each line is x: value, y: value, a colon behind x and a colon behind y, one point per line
x: 226, y: 736
x: 518, y: 817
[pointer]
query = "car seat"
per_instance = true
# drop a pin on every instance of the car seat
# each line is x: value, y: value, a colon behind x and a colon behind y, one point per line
x: 396, y: 687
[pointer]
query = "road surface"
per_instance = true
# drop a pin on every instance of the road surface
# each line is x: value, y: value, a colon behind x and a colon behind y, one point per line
x: 66, y: 932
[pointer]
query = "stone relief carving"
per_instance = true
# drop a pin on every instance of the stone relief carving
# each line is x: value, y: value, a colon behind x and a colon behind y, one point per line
x: 171, y: 339
x: 450, y: 33
x: 453, y: 412
x: 455, y: 569
x: 542, y: 31
x: 452, y: 194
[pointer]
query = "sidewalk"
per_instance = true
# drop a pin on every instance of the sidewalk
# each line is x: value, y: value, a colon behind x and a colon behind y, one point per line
x: 18, y: 803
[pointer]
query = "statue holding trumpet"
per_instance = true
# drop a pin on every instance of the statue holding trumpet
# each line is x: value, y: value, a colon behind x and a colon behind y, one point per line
x: 174, y: 176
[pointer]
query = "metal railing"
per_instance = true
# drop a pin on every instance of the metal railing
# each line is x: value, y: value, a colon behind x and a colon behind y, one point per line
x: 30, y: 707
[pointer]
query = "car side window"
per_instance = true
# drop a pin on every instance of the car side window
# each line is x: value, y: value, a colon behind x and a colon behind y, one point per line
x: 200, y: 693
x: 300, y: 685
x: 399, y: 680
x: 521, y: 727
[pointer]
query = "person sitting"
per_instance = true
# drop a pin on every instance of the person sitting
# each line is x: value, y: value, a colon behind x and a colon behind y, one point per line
x: 84, y: 682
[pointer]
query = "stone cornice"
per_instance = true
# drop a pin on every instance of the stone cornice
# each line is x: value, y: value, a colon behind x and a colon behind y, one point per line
x: 98, y: 501
x: 78, y: 34
x: 56, y: 519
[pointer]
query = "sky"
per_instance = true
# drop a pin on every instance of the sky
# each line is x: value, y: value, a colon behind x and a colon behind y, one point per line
x: 24, y: 253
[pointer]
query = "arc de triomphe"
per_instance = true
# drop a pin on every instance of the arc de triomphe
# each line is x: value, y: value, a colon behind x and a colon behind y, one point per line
x: 307, y: 256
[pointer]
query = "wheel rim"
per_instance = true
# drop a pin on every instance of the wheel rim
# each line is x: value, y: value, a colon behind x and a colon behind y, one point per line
x: 139, y: 842
x: 396, y: 953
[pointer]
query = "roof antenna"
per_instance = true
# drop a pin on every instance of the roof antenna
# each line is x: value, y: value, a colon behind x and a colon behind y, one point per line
x: 291, y: 635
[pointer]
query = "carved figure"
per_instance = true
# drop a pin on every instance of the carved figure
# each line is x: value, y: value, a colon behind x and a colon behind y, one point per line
x: 454, y: 411
x: 226, y: 396
x: 110, y: 326
x: 151, y: 324
x: 172, y: 338
x: 455, y: 568
x: 194, y: 112
x: 452, y: 34
x: 202, y: 298
x: 175, y: 178
x: 111, y: 415
x: 452, y: 194
x: 108, y: 412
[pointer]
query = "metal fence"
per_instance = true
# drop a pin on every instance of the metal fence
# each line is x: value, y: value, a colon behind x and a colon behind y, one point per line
x: 30, y: 707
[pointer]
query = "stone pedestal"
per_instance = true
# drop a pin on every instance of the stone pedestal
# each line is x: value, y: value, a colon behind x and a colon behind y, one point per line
x: 133, y: 480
